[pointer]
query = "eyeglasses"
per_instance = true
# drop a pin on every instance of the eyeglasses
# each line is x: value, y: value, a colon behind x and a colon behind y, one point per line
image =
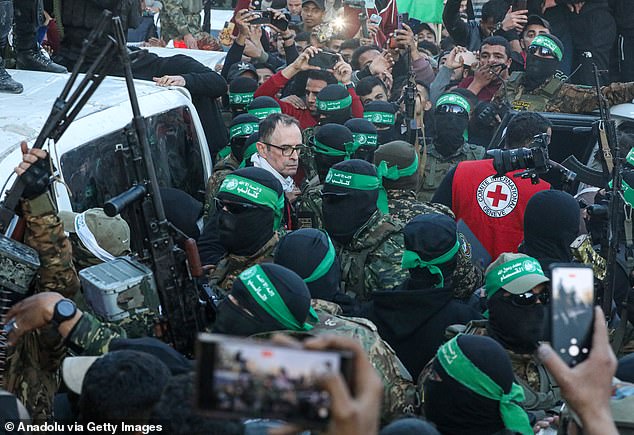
x: 233, y: 207
x: 450, y: 108
x: 542, y: 51
x: 288, y: 150
x: 530, y: 298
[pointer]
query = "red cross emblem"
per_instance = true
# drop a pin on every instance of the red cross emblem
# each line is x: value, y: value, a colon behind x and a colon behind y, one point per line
x: 497, y: 195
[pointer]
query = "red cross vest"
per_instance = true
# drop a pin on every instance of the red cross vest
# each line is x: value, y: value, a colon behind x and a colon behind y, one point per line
x: 492, y: 207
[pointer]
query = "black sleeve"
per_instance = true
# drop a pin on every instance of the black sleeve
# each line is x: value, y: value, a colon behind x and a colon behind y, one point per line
x: 291, y: 53
x: 199, y: 79
x: 209, y: 247
x: 443, y: 194
x: 234, y: 55
x: 458, y: 29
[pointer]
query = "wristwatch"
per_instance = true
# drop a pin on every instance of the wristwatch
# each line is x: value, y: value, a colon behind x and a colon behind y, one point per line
x: 64, y: 310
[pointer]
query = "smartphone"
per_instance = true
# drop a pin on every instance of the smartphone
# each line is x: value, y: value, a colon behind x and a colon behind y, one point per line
x: 402, y: 18
x: 468, y: 57
x: 239, y: 377
x: 519, y: 5
x: 376, y: 19
x: 263, y: 17
x: 324, y: 60
x: 571, y: 311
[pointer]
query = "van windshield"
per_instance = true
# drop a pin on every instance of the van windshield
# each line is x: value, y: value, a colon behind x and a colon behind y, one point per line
x: 94, y: 172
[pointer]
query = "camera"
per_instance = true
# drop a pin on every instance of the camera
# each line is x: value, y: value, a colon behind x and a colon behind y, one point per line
x: 535, y: 159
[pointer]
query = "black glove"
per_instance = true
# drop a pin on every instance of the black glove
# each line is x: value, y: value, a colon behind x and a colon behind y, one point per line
x: 37, y: 178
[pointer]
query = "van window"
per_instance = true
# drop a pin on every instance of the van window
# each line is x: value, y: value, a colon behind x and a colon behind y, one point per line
x: 94, y: 173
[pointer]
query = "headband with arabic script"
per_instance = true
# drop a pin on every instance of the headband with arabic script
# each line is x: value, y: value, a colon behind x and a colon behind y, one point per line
x: 328, y: 106
x: 350, y: 180
x: 266, y: 295
x: 412, y: 260
x: 263, y: 112
x: 243, y: 129
x: 324, y: 266
x: 547, y: 43
x: 256, y: 193
x: 510, y: 271
x: 461, y: 368
x: 365, y: 139
x: 241, y: 98
x: 380, y: 117
x: 455, y: 99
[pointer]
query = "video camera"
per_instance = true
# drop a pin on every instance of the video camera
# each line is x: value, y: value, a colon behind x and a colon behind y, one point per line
x: 534, y: 159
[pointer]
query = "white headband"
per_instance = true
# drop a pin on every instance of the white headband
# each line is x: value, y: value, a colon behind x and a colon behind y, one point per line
x: 88, y: 239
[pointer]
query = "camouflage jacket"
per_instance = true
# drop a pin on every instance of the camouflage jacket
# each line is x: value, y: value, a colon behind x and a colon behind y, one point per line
x: 437, y: 167
x: 220, y: 172
x: 222, y: 275
x: 556, y: 96
x: 308, y: 207
x: 372, y: 260
x: 180, y: 17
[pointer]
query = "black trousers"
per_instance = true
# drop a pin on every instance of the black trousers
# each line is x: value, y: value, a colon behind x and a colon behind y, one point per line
x: 29, y: 16
x: 625, y: 50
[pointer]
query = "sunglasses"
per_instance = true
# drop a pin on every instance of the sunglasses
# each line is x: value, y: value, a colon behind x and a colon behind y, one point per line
x: 233, y: 207
x: 288, y: 150
x: 542, y: 51
x: 529, y: 298
x: 450, y: 108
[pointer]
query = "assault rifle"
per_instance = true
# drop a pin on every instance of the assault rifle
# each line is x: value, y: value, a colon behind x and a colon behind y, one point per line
x: 409, y: 98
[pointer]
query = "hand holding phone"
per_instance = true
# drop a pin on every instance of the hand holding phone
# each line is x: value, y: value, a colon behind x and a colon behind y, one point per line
x: 519, y: 5
x: 324, y: 60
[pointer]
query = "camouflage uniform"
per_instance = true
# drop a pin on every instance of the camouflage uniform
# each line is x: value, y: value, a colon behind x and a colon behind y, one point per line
x: 372, y: 260
x: 222, y: 275
x: 556, y: 96
x: 223, y: 168
x: 437, y: 167
x: 180, y: 17
x: 308, y: 207
x: 32, y: 372
x: 404, y: 206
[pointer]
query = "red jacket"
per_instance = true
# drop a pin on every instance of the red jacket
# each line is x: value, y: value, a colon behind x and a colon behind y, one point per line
x: 486, y: 94
x: 492, y: 207
x: 277, y: 82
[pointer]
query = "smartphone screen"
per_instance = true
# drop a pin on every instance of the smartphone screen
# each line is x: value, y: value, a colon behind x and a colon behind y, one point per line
x: 519, y: 5
x: 324, y: 60
x: 257, y: 379
x: 572, y: 300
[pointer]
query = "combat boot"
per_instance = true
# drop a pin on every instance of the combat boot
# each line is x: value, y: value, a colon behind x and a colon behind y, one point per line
x: 7, y: 84
x: 35, y: 60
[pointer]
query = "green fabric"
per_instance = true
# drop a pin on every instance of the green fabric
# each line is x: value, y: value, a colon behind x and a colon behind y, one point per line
x: 243, y: 129
x: 628, y: 193
x: 510, y: 271
x: 325, y: 265
x: 324, y: 149
x: 394, y: 173
x: 256, y: 193
x: 251, y: 149
x: 459, y: 367
x: 456, y: 99
x: 380, y: 117
x: 328, y: 106
x: 224, y: 152
x: 267, y: 296
x: 630, y: 156
x: 263, y: 112
x: 365, y: 139
x: 242, y: 99
x: 427, y: 11
x: 351, y: 180
x: 546, y: 42
x: 412, y: 260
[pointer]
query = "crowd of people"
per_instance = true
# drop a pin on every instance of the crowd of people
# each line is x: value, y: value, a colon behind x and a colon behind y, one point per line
x: 352, y: 203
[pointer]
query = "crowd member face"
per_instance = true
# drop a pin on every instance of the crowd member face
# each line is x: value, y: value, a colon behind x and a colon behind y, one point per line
x: 311, y: 15
x: 294, y: 7
x: 301, y: 45
x: 487, y: 26
x: 492, y: 55
x: 312, y: 89
x: 531, y: 32
x: 346, y: 53
x: 537, y: 290
x: 377, y: 94
x: 426, y: 35
x: 366, y: 58
x: 273, y: 152
x: 335, y: 44
x: 263, y: 75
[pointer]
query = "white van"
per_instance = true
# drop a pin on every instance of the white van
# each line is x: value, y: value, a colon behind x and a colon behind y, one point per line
x: 85, y: 153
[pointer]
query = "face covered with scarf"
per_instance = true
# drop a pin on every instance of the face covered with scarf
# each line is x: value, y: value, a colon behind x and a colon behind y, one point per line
x: 471, y: 389
x: 452, y: 119
x: 331, y: 144
x: 265, y: 298
x: 250, y: 203
x: 383, y: 115
x: 543, y: 58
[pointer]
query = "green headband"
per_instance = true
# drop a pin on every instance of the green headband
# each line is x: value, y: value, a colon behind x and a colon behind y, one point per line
x: 326, y: 150
x: 630, y: 157
x: 243, y: 129
x: 510, y: 271
x: 242, y: 99
x: 456, y: 99
x: 351, y: 180
x: 412, y: 260
x: 459, y: 367
x: 267, y: 296
x: 394, y: 173
x: 224, y: 152
x: 263, y: 112
x: 546, y: 42
x: 328, y: 106
x: 628, y: 193
x: 325, y: 265
x: 251, y: 149
x: 365, y: 139
x: 380, y: 117
x: 256, y: 193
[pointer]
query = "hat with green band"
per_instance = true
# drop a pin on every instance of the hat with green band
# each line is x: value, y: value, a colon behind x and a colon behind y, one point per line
x: 380, y: 117
x: 394, y: 173
x: 365, y: 140
x: 330, y: 105
x: 515, y: 273
x: 412, y: 260
x: 326, y: 150
x: 267, y: 296
x: 256, y: 193
x: 263, y: 106
x: 242, y: 99
x: 454, y: 99
x: 457, y: 365
x: 243, y: 129
x: 324, y: 266
x: 350, y: 180
x: 264, y: 112
x: 547, y: 41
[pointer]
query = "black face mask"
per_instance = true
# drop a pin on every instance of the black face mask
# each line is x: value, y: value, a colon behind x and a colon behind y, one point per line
x: 344, y: 215
x: 450, y: 130
x: 516, y: 328
x: 244, y: 233
x: 324, y: 163
x: 233, y: 320
x: 538, y: 70
x: 365, y: 153
x: 387, y: 135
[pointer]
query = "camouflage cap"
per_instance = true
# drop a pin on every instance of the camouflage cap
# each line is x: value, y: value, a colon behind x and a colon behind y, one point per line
x: 111, y: 233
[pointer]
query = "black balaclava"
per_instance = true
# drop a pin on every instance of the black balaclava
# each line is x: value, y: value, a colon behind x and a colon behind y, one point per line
x: 182, y: 210
x: 409, y: 426
x: 346, y: 210
x: 451, y: 127
x: 241, y: 90
x: 241, y: 128
x: 334, y: 104
x: 383, y: 115
x: 540, y: 69
x: 365, y: 138
x: 234, y: 320
x: 263, y: 106
x: 402, y: 155
x: 245, y: 233
x: 430, y: 236
x: 551, y: 224
x: 331, y: 144
x: 517, y: 328
x: 456, y: 409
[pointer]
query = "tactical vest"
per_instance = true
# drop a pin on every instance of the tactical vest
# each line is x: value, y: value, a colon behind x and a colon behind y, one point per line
x: 309, y: 214
x: 537, y: 100
x: 192, y: 6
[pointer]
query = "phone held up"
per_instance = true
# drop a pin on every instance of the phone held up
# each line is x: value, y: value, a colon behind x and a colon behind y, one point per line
x: 238, y: 377
x: 324, y: 60
x: 519, y: 5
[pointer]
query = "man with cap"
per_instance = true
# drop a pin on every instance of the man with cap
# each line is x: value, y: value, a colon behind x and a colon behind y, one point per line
x: 241, y: 93
x: 369, y: 242
x: 450, y: 146
x: 413, y: 317
x: 383, y: 115
x: 468, y: 388
x: 242, y: 69
x: 541, y: 88
x: 401, y: 162
x: 534, y: 27
x: 334, y: 104
x: 313, y: 12
x: 263, y: 106
x: 287, y: 307
x: 365, y: 138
